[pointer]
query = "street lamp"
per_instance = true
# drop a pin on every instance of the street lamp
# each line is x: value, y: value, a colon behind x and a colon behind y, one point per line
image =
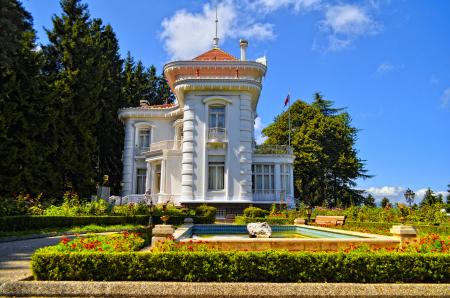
x: 308, y: 214
x: 409, y: 196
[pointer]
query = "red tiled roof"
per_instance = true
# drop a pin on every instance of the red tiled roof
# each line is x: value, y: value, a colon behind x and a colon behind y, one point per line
x: 215, y: 55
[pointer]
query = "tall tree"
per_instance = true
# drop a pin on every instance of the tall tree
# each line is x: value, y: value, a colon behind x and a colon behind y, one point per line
x: 385, y: 202
x: 369, y: 201
x: 326, y: 164
x: 429, y: 198
x: 75, y: 76
x: 26, y: 111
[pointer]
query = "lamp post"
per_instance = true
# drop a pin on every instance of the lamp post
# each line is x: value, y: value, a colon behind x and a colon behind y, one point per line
x: 409, y: 196
x: 308, y: 214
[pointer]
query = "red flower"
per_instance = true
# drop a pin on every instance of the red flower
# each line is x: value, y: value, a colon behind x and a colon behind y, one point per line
x: 65, y: 240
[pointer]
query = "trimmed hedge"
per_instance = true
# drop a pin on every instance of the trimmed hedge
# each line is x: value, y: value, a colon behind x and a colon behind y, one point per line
x: 266, y: 266
x: 243, y: 220
x: 384, y: 227
x: 31, y: 222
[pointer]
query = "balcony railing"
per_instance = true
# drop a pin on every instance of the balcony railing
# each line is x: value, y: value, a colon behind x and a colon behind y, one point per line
x: 217, y: 133
x: 165, y: 145
x: 162, y: 145
x: 273, y: 149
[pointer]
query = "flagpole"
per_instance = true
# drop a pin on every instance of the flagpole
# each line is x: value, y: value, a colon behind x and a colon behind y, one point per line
x: 289, y: 109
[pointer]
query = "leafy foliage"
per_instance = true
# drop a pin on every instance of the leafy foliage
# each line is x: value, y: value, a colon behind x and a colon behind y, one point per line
x: 232, y: 266
x: 102, y: 243
x: 255, y: 212
x: 326, y: 164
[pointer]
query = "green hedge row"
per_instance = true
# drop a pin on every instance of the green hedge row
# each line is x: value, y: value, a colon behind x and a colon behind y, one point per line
x: 266, y: 266
x: 243, y: 220
x: 385, y: 227
x: 31, y: 222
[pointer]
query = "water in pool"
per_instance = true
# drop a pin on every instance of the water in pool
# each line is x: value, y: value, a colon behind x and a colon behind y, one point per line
x: 284, y: 234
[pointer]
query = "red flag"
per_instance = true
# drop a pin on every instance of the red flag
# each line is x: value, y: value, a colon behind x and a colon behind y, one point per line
x: 286, y: 101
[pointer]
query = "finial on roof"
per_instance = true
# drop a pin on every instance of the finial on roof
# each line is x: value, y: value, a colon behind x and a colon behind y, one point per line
x: 216, y: 39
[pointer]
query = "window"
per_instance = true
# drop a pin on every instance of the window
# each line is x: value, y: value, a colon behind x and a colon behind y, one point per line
x: 263, y: 178
x: 216, y: 171
x: 220, y: 212
x: 144, y: 138
x: 217, y: 117
x: 285, y: 172
x: 140, y: 180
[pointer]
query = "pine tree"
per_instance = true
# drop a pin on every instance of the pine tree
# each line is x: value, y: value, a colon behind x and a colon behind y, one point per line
x: 385, y: 202
x: 429, y: 198
x: 75, y: 77
x: 326, y: 163
x: 369, y: 201
x: 27, y: 132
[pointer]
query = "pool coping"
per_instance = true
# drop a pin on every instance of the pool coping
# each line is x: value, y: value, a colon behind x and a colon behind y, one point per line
x: 181, y: 233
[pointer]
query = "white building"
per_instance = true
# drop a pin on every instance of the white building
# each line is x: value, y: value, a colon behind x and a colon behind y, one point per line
x: 202, y: 149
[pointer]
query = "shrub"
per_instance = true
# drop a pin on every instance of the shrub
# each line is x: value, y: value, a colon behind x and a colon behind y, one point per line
x: 271, y: 220
x: 205, y: 210
x: 255, y: 212
x: 29, y: 222
x: 232, y: 266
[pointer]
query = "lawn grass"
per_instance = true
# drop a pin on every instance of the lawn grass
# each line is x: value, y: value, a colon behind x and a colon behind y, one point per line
x: 92, y: 228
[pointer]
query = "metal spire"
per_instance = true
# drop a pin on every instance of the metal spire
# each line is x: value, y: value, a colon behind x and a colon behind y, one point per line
x: 216, y: 38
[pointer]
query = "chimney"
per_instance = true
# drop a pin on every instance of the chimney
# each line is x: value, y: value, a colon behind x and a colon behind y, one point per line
x: 244, y: 44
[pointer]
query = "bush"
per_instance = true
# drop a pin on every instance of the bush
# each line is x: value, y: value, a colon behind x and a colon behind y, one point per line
x: 205, y: 210
x: 30, y: 222
x: 232, y: 266
x: 243, y: 220
x: 255, y: 212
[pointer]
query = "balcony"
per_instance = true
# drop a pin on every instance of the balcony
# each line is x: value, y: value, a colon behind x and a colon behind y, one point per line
x: 217, y: 134
x: 165, y: 145
x: 158, y: 146
x: 273, y: 149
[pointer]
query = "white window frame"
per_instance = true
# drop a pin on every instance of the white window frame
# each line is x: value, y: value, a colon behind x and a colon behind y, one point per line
x: 266, y: 174
x: 285, y: 178
x: 144, y: 133
x: 141, y: 177
x: 213, y: 168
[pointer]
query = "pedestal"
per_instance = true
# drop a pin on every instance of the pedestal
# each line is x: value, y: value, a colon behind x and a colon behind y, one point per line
x: 405, y: 233
x: 161, y: 233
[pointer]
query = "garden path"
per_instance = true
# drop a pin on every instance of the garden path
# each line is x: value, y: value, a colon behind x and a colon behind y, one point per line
x: 15, y: 257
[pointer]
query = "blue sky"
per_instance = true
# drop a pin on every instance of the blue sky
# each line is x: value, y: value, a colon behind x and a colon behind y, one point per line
x: 387, y: 62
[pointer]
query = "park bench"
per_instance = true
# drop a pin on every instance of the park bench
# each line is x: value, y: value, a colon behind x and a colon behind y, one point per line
x: 324, y: 220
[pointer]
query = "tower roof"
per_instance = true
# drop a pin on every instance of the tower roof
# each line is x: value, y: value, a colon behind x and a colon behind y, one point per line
x: 215, y: 55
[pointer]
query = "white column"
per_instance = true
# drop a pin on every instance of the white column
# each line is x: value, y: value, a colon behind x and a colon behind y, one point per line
x: 245, y: 148
x: 277, y: 181
x: 163, y: 176
x: 128, y: 159
x: 187, y: 160
x: 148, y: 178
x: 291, y: 183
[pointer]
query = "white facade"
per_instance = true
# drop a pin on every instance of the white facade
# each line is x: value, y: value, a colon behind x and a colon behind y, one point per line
x: 202, y: 149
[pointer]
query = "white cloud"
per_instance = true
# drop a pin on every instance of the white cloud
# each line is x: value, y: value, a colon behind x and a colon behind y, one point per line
x: 345, y: 22
x: 384, y: 67
x: 269, y: 6
x: 186, y: 35
x: 445, y: 98
x: 387, y: 191
x: 396, y: 193
x: 258, y: 128
x: 434, y: 79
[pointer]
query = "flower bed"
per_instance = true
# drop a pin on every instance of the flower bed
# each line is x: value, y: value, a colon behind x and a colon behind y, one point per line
x: 103, y: 243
